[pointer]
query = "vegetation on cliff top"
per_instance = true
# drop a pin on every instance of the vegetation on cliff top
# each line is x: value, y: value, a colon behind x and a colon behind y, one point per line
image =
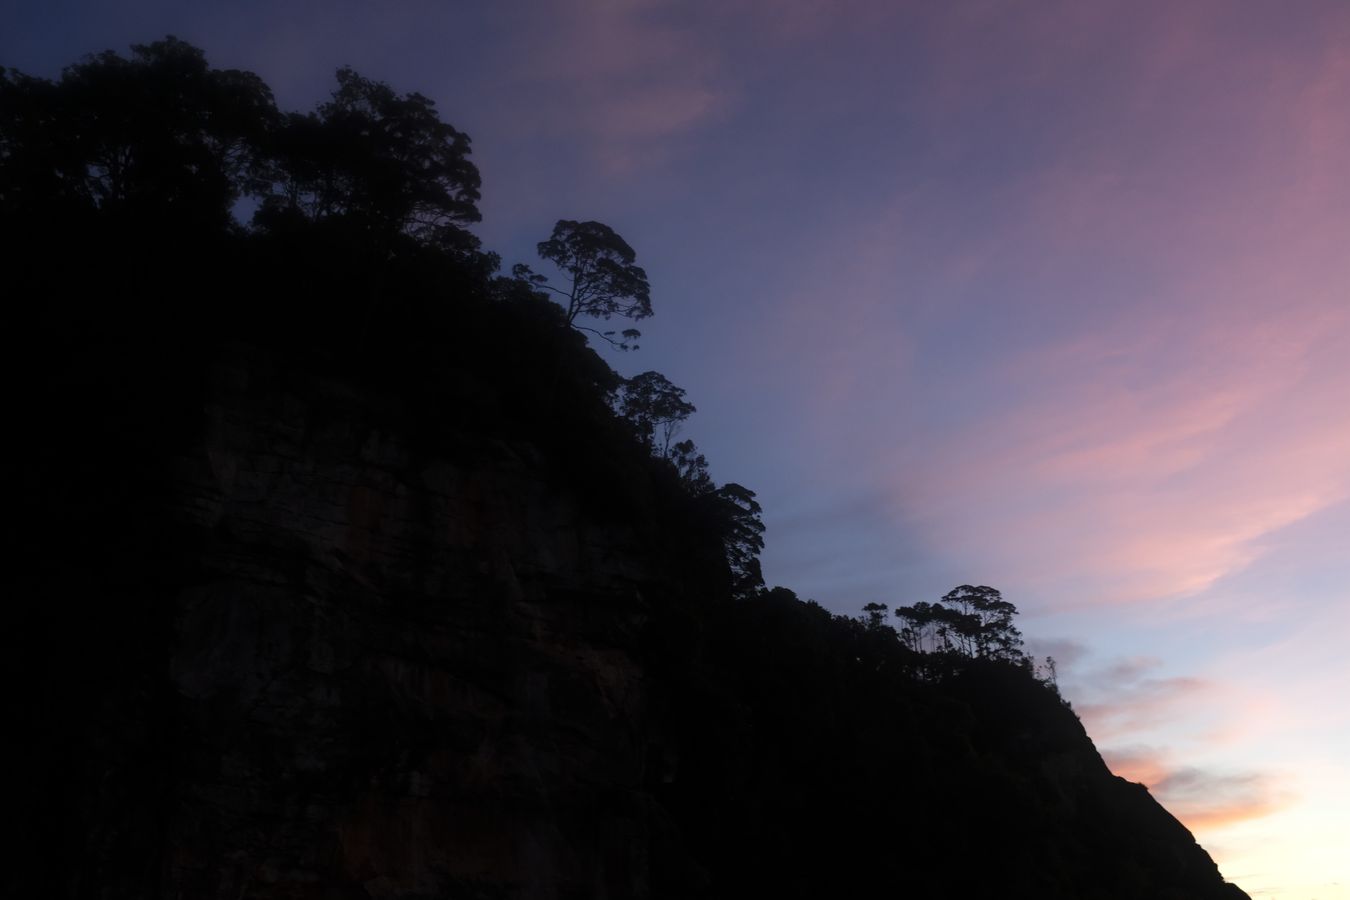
x: 160, y: 208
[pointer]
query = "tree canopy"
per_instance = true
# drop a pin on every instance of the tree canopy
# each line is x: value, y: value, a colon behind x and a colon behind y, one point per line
x: 345, y: 228
x: 604, y: 279
x: 383, y: 160
x: 969, y: 621
x: 656, y: 409
x: 159, y: 138
x: 743, y: 536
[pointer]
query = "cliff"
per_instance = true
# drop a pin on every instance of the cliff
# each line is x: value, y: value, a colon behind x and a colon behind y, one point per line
x: 277, y: 635
x: 333, y: 575
x: 317, y: 655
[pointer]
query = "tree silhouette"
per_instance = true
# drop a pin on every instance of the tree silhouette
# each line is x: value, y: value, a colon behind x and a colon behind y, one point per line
x: 874, y: 616
x: 692, y: 466
x: 973, y: 622
x: 742, y: 536
x: 926, y: 627
x: 382, y: 161
x: 159, y: 139
x: 1051, y: 677
x: 604, y: 279
x: 987, y: 622
x: 656, y: 409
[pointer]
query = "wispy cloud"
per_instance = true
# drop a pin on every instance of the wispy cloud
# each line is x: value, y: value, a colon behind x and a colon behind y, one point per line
x: 1139, y: 763
x: 1129, y: 700
x: 1148, y: 315
x: 1137, y: 704
x: 1203, y: 799
x: 1211, y: 800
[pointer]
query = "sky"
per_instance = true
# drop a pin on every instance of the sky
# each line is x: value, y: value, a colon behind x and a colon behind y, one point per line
x: 1048, y: 296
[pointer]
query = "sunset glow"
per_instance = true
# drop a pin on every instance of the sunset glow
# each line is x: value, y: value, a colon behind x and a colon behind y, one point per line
x: 1049, y: 297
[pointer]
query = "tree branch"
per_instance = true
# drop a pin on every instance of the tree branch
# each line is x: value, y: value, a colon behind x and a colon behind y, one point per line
x: 613, y: 343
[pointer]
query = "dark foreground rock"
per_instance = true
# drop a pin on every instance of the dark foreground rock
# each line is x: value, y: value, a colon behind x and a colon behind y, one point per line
x: 274, y: 636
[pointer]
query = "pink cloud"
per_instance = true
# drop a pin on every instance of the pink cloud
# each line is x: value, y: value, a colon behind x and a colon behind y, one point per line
x: 1147, y: 448
x: 1151, y: 448
x: 1202, y: 799
x: 1159, y: 447
x: 1162, y: 489
x: 1208, y: 801
x: 1130, y: 701
x: 1141, y: 764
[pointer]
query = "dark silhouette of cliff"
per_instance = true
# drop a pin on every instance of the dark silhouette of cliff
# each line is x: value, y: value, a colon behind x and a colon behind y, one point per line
x: 334, y: 574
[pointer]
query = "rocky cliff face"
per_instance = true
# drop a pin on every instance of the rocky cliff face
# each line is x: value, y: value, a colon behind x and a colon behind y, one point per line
x: 414, y: 675
x: 358, y: 663
x: 1089, y: 832
x: 817, y: 746
x: 278, y: 636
